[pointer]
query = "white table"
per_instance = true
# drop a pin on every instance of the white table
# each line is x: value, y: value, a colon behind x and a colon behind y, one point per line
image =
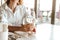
x: 45, y: 32
x: 48, y: 32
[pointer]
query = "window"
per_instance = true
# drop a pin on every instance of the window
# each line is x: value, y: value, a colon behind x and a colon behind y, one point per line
x: 57, y: 14
x: 46, y: 5
x: 29, y: 3
x: 44, y: 9
x: 0, y: 2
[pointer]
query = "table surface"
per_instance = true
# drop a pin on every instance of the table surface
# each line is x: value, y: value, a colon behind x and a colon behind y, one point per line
x: 45, y: 32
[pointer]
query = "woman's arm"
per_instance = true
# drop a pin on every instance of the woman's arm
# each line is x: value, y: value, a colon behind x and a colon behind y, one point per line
x: 24, y: 28
x: 15, y: 28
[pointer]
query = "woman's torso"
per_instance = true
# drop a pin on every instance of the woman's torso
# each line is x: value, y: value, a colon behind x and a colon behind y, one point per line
x: 15, y: 18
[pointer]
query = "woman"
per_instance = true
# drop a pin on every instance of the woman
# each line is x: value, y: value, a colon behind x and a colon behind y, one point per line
x: 13, y: 12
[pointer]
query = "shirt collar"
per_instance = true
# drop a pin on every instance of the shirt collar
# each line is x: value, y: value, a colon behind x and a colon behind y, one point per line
x: 7, y: 8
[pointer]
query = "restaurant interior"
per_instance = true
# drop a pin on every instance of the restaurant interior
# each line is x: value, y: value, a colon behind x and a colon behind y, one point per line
x: 43, y: 21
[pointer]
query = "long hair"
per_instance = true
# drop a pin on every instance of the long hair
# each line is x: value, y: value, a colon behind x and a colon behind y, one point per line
x: 19, y: 3
x: 8, y: 1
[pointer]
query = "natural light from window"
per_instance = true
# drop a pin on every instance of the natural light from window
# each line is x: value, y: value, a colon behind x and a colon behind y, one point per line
x: 29, y: 3
x: 47, y: 5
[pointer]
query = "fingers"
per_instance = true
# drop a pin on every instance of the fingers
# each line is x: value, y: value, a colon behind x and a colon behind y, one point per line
x: 28, y: 27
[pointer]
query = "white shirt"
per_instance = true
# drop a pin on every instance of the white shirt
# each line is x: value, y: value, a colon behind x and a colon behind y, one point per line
x: 15, y: 18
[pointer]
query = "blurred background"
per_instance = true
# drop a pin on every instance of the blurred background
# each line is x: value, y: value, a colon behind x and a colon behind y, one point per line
x: 42, y: 9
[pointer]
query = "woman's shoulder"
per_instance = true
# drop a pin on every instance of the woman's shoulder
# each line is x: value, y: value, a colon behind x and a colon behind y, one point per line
x: 2, y: 7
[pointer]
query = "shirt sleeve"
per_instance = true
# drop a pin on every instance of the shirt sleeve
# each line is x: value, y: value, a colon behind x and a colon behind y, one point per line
x: 3, y: 16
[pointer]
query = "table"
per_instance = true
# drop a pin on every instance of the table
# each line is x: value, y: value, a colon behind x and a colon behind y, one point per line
x: 45, y: 31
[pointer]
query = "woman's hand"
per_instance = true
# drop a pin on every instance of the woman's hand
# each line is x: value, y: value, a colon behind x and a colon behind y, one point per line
x: 28, y: 27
